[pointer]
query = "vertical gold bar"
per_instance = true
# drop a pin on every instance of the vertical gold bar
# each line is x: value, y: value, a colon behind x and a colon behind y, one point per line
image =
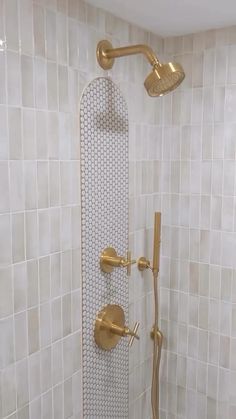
x: 156, y: 242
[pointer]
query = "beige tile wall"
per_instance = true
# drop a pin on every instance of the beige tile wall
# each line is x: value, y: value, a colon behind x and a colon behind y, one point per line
x: 47, y: 55
x: 182, y: 162
x: 199, y: 240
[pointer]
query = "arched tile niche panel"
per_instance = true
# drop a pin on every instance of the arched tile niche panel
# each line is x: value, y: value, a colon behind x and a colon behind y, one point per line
x: 104, y: 206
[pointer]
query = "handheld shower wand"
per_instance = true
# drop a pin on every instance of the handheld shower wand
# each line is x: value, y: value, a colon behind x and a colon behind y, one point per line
x: 156, y: 242
x: 156, y: 335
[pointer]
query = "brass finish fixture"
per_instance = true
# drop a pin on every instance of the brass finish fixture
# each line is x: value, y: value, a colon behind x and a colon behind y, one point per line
x: 159, y: 335
x: 110, y: 327
x: 109, y: 259
x: 106, y: 51
x: 143, y: 263
x: 164, y: 77
x: 156, y: 242
x: 105, y: 62
x: 156, y: 334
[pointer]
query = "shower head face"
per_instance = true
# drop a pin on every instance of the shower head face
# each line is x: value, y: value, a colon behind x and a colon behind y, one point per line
x: 164, y: 78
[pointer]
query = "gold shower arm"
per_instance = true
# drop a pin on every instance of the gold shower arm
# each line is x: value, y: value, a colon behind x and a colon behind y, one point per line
x: 106, y: 53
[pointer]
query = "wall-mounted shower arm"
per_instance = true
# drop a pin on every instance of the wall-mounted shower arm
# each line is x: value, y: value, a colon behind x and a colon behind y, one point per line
x: 106, y: 53
x: 163, y: 78
x: 132, y: 50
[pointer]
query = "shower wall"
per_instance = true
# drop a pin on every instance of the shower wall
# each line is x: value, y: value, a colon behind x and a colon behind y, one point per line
x: 47, y: 56
x: 182, y: 162
x: 198, y: 278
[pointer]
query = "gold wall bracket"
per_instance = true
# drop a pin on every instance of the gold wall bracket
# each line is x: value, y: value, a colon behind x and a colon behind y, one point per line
x: 104, y: 61
x: 143, y: 263
x: 109, y: 259
x: 159, y: 335
x: 110, y: 327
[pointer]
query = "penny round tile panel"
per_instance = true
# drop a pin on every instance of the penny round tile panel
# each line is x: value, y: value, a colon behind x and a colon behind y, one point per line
x: 104, y: 200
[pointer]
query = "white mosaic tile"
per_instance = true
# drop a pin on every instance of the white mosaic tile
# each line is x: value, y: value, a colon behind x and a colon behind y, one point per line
x: 104, y: 188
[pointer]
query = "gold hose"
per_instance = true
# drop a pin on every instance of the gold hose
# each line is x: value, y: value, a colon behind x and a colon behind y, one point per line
x: 157, y: 335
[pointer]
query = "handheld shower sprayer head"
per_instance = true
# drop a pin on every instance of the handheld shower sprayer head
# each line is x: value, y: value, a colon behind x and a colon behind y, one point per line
x: 163, y: 78
x: 156, y: 243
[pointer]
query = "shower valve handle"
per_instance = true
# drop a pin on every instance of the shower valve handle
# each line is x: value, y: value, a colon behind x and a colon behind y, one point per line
x: 133, y: 334
x: 110, y: 327
x: 109, y: 259
x: 129, y: 262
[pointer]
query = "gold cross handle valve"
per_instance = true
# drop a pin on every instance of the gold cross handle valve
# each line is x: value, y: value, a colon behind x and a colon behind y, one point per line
x: 110, y: 327
x: 109, y: 260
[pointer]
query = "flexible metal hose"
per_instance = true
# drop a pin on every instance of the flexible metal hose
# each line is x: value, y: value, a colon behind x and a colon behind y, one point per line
x: 157, y: 346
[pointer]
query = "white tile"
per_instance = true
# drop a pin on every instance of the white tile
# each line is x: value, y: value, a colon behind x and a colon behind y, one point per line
x: 18, y: 237
x: 6, y: 292
x: 15, y: 139
x: 33, y: 330
x: 3, y: 78
x: 62, y: 42
x: 30, y: 177
x: 44, y: 232
x: 7, y: 346
x: 4, y: 141
x: 51, y: 35
x: 39, y: 30
x: 11, y: 22
x: 46, y: 369
x: 53, y: 137
x: 20, y: 286
x: 8, y: 391
x: 17, y: 198
x: 43, y: 184
x: 31, y: 234
x: 52, y: 86
x: 58, y: 401
x: 27, y: 81
x: 44, y: 279
x: 32, y: 283
x: 22, y: 383
x: 4, y: 187
x: 13, y: 78
x: 34, y: 375
x: 47, y: 405
x: 26, y: 26
x: 230, y: 101
x: 57, y: 363
x: 5, y: 240
x: 21, y: 335
x: 29, y: 142
x: 40, y: 83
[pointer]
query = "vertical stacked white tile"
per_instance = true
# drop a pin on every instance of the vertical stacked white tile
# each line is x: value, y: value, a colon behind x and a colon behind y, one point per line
x: 47, y: 56
x: 199, y: 240
x: 40, y: 355
x: 182, y: 162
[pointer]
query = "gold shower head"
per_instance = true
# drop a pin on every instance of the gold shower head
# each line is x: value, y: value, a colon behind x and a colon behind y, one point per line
x: 164, y: 77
